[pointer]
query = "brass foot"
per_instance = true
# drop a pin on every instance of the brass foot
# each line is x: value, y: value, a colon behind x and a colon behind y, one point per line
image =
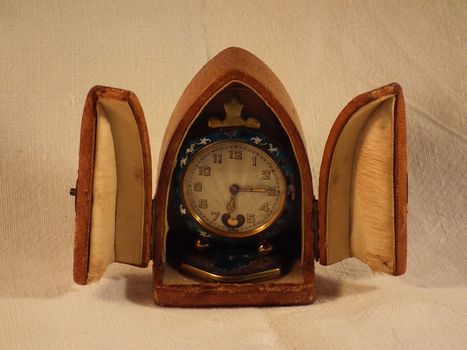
x: 265, y: 248
x: 201, y: 244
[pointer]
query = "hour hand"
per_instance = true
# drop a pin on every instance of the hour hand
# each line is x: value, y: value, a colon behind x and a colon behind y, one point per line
x: 233, y: 191
x: 231, y: 205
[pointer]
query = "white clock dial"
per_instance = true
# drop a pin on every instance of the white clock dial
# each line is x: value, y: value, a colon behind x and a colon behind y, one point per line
x: 234, y: 189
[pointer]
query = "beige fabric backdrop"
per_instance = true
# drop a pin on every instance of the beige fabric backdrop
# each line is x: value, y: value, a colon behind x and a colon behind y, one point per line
x: 325, y: 53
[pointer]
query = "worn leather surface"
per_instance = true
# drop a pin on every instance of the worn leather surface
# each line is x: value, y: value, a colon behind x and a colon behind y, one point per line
x: 377, y: 204
x: 103, y: 234
x: 325, y: 53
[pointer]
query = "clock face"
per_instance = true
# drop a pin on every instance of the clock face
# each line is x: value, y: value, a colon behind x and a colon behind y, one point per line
x: 234, y: 189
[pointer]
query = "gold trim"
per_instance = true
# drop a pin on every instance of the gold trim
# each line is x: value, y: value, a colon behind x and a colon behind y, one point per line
x: 236, y: 234
x: 256, y: 276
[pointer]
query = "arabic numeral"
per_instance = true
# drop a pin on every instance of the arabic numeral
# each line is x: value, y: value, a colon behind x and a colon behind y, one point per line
x: 204, y: 170
x: 266, y: 174
x: 203, y: 204
x: 271, y: 191
x: 235, y: 154
x: 217, y: 158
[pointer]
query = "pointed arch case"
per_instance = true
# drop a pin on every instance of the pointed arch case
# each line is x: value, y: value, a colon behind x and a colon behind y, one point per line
x: 361, y: 211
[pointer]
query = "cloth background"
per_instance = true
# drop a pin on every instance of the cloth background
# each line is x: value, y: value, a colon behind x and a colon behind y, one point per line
x: 325, y: 53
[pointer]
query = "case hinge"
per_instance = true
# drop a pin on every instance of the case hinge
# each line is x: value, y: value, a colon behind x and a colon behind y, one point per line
x: 315, y: 229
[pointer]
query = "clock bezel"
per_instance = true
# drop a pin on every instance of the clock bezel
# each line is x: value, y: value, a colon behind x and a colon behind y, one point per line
x: 232, y: 233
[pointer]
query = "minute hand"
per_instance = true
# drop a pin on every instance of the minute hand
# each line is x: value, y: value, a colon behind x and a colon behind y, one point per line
x: 255, y: 189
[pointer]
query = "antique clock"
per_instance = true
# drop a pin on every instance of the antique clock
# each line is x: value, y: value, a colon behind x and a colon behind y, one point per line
x: 234, y: 220
x: 235, y: 189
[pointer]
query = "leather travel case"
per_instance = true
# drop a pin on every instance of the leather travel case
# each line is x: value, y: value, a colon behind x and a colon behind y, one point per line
x: 361, y: 211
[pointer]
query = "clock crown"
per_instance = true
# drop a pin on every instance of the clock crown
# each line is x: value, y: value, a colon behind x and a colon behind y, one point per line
x: 233, y: 109
x: 233, y: 117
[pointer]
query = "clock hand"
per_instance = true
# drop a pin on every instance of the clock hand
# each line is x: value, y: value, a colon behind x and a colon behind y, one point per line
x: 227, y: 219
x: 231, y: 205
x: 234, y: 189
x: 255, y: 189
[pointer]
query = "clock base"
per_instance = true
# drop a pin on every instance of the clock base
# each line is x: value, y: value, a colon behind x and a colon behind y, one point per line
x: 233, y: 266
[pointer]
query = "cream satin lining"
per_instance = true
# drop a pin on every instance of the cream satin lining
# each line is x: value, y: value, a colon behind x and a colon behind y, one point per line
x: 118, y: 189
x: 360, y: 207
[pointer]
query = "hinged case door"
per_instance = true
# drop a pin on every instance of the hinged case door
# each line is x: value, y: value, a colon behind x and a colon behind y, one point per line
x: 363, y: 183
x: 113, y: 190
